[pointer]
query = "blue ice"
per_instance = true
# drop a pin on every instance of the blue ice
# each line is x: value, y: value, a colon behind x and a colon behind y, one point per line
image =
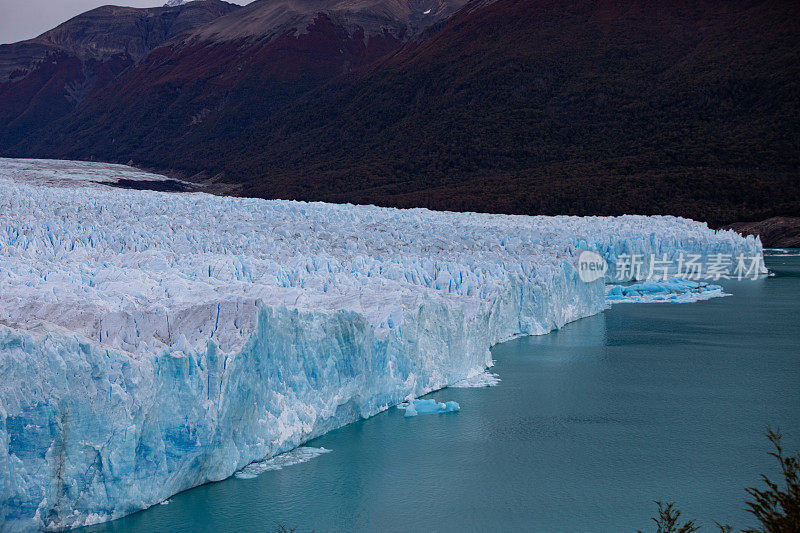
x: 428, y: 407
x: 676, y: 290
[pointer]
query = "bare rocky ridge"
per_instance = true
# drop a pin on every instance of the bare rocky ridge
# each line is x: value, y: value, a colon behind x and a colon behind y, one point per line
x: 109, y: 31
x: 269, y: 18
x: 776, y: 232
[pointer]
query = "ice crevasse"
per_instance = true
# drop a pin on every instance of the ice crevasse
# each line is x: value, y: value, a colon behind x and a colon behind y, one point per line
x: 151, y: 342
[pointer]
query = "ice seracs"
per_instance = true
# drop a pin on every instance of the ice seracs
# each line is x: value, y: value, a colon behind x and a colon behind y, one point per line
x: 151, y: 342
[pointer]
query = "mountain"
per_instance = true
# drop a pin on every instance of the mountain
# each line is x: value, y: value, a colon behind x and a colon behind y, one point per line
x: 202, y: 89
x: 518, y: 106
x: 534, y: 106
x: 46, y: 77
x: 262, y: 19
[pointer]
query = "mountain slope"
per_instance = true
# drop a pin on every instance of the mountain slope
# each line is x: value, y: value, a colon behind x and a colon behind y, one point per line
x: 531, y: 107
x: 536, y: 106
x: 46, y: 77
x: 195, y: 95
x: 266, y: 18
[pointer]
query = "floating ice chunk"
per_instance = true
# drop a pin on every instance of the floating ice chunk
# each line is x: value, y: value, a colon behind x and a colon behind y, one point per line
x: 428, y: 407
x: 676, y: 290
x: 290, y: 458
x: 482, y: 379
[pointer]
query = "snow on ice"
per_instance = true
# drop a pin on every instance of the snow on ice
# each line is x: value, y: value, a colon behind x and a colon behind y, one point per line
x: 151, y: 342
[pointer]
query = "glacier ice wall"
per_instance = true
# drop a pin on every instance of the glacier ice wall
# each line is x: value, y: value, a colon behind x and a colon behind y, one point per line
x: 151, y: 342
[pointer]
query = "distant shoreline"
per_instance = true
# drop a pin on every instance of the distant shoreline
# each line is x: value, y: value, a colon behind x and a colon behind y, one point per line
x: 775, y: 232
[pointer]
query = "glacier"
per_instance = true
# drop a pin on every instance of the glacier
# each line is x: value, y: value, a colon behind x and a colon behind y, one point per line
x: 151, y: 342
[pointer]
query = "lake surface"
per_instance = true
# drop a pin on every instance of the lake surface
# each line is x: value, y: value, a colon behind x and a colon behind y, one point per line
x: 589, y: 425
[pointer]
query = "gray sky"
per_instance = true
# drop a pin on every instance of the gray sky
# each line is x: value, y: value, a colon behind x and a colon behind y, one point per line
x: 24, y: 19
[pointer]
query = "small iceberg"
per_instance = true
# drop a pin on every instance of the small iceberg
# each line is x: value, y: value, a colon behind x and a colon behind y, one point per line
x: 294, y: 457
x: 676, y: 290
x: 484, y: 379
x: 428, y: 407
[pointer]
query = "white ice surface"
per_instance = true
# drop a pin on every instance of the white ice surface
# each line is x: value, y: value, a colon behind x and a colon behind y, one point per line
x: 57, y: 173
x: 151, y: 342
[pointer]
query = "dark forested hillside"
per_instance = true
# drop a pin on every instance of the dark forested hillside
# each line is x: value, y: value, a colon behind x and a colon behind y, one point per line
x: 521, y: 106
x: 531, y: 107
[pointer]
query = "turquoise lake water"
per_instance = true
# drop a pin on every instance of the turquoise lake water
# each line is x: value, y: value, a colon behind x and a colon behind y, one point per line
x: 589, y: 425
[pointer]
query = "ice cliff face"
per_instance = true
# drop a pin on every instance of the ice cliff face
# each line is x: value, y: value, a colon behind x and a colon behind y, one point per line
x: 151, y: 342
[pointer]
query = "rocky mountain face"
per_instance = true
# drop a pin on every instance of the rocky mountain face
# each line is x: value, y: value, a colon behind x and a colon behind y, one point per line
x: 518, y: 106
x: 265, y: 19
x: 46, y: 77
x: 775, y: 232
